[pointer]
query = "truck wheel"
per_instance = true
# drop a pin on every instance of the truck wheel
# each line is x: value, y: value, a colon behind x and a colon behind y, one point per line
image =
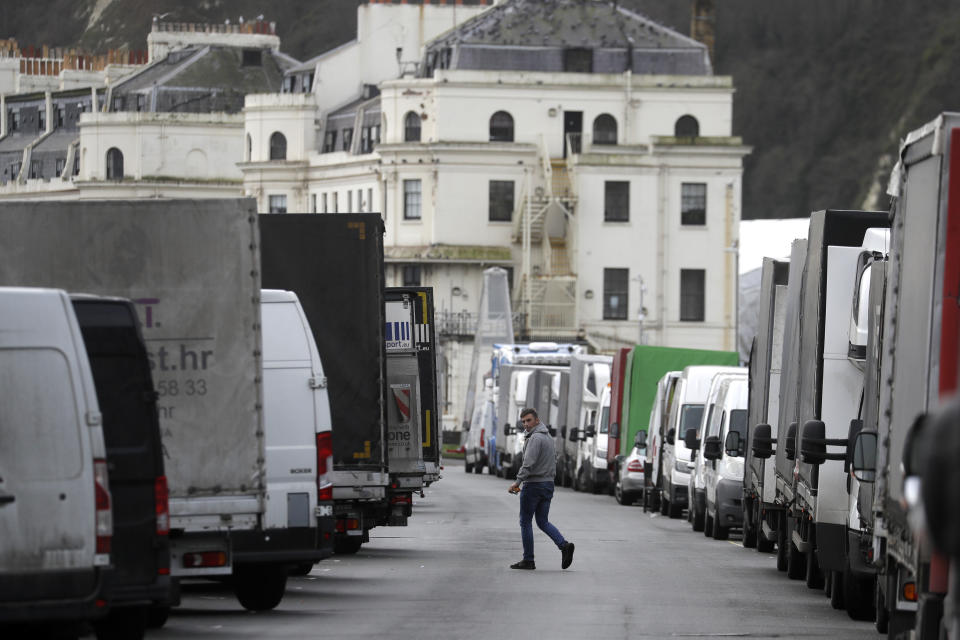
x: 719, y: 531
x: 858, y: 595
x: 881, y: 622
x: 763, y: 545
x: 347, y: 545
x: 157, y: 616
x: 500, y: 473
x: 478, y: 468
x: 467, y: 467
x: 491, y: 471
x: 749, y: 526
x: 708, y: 524
x: 674, y: 510
x: 664, y: 505
x: 301, y: 569
x: 836, y: 590
x: 796, y: 567
x: 814, y: 576
x: 259, y: 587
x: 697, y: 518
x: 781, y: 544
x: 122, y: 623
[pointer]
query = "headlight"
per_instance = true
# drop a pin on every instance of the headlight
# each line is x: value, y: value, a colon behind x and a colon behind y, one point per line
x: 681, y: 466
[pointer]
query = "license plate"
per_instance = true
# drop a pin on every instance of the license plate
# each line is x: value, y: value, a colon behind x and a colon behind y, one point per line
x: 324, y: 510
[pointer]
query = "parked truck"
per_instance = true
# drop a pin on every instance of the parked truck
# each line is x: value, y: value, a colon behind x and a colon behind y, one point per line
x: 334, y: 264
x: 589, y: 376
x: 191, y: 266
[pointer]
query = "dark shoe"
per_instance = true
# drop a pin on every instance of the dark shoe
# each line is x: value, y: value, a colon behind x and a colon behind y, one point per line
x: 524, y: 564
x: 567, y: 555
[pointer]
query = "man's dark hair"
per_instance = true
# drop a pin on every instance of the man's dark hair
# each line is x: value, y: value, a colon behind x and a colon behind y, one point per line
x: 529, y: 411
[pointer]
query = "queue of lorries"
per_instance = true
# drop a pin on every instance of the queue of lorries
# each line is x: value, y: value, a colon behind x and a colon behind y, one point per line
x: 186, y: 393
x: 836, y: 445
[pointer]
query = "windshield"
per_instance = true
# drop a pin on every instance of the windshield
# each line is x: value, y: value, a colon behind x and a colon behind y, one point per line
x: 690, y: 416
x: 604, y: 419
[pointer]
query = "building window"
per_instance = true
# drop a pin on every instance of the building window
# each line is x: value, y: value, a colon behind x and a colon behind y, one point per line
x: 308, y: 82
x: 411, y: 127
x: 365, y: 145
x: 117, y: 104
x: 323, y: 199
x: 411, y: 275
x: 370, y: 200
x: 349, y: 201
x: 59, y: 117
x: 76, y: 165
x: 411, y: 199
x: 686, y: 127
x: 252, y: 58
x: 278, y: 204
x: 61, y: 165
x: 288, y: 82
x: 692, y: 293
x: 360, y: 202
x: 375, y: 135
x: 693, y: 203
x: 347, y: 138
x: 501, y: 127
x: 114, y: 164
x: 615, y: 294
x: 42, y: 118
x: 336, y: 202
x: 15, y: 170
x: 36, y: 169
x: 141, y: 101
x: 330, y: 141
x: 249, y: 153
x: 13, y: 119
x: 313, y: 203
x: 605, y: 129
x: 278, y: 146
x: 501, y: 200
x: 616, y: 201
x: 578, y: 60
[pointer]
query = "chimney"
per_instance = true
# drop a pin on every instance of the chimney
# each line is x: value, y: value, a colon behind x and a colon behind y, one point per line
x: 702, y: 23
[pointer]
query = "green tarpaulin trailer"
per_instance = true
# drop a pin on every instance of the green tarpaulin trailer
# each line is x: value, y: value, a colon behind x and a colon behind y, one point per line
x: 645, y: 366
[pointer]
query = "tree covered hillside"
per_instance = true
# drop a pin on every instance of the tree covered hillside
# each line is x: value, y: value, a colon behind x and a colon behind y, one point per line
x: 825, y: 88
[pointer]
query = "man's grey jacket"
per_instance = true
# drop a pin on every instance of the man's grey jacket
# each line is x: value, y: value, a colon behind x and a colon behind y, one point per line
x: 539, y: 457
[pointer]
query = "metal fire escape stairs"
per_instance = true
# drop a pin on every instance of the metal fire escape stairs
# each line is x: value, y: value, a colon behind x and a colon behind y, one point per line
x: 543, y: 223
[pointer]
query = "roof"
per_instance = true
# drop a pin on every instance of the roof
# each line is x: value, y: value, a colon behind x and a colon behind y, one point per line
x: 534, y: 34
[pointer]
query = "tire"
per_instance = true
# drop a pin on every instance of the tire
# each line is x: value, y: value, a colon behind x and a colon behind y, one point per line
x: 500, y: 473
x: 828, y: 585
x: 882, y: 621
x: 858, y: 596
x: 836, y: 590
x: 467, y: 467
x: 813, y: 574
x: 749, y: 532
x: 763, y: 545
x: 347, y: 545
x: 674, y: 511
x: 796, y: 562
x: 491, y: 471
x: 698, y: 517
x: 478, y: 468
x: 301, y: 569
x: 782, y: 543
x: 707, y: 524
x: 122, y: 623
x: 259, y: 587
x: 157, y: 616
x: 720, y: 532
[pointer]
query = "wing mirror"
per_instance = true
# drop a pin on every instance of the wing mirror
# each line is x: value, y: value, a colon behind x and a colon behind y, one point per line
x: 641, y: 439
x: 574, y: 434
x: 863, y: 461
x: 711, y: 448
x: 814, y: 442
x: 790, y: 448
x: 762, y: 442
x: 732, y: 444
x: 856, y: 426
x: 671, y: 436
x: 615, y: 430
x: 590, y: 432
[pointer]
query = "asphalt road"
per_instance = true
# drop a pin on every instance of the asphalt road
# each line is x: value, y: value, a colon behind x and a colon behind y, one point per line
x: 447, y: 575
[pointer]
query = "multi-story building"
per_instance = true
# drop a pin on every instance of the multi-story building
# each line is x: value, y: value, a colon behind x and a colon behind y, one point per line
x: 581, y: 146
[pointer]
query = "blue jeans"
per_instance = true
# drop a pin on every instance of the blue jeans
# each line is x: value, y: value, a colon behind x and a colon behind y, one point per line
x: 535, y: 502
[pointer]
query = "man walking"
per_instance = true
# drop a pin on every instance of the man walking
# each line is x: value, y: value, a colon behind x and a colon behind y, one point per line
x: 537, y: 473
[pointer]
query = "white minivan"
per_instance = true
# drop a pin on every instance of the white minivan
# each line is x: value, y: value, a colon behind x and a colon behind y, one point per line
x: 55, y: 514
x: 723, y: 474
x: 297, y: 431
x: 686, y: 412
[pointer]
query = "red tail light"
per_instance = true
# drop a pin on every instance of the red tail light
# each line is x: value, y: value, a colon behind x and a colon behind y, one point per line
x: 325, y: 493
x: 324, y: 465
x: 635, y: 465
x: 104, y: 517
x: 161, y: 497
x: 402, y: 498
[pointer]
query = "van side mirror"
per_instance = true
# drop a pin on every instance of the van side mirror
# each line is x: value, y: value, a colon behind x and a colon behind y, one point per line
x: 552, y: 431
x: 563, y: 431
x: 762, y: 442
x: 691, y: 440
x: 732, y: 444
x: 856, y: 426
x: 711, y: 448
x: 574, y: 434
x: 641, y: 439
x: 590, y: 432
x: 506, y: 429
x: 790, y: 448
x: 863, y: 462
x: 671, y: 436
x: 615, y: 430
x: 813, y: 446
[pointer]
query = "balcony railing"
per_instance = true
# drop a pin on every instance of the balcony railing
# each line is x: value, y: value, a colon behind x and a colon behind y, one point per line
x: 465, y: 323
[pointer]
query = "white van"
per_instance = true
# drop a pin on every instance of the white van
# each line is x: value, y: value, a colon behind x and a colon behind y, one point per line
x: 686, y: 412
x: 707, y: 427
x: 723, y: 475
x: 55, y: 513
x: 297, y: 431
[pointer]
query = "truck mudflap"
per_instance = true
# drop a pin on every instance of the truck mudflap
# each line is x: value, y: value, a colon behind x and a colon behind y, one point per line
x: 831, y: 546
x: 287, y: 545
x: 860, y: 554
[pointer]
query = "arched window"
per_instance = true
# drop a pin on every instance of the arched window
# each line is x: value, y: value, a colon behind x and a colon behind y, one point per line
x: 501, y: 127
x: 686, y: 127
x: 411, y: 127
x: 605, y: 129
x: 249, y: 147
x: 114, y: 164
x: 278, y: 146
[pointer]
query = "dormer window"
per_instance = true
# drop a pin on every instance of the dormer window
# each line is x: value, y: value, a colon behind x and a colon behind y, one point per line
x: 252, y: 58
x: 578, y: 60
